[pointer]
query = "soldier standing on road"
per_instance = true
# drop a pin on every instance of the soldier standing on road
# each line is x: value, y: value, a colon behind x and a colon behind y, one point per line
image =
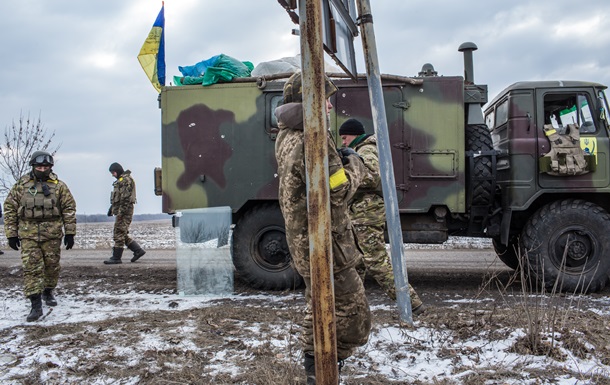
x: 353, y: 317
x: 122, y: 200
x: 367, y: 212
x: 37, y: 211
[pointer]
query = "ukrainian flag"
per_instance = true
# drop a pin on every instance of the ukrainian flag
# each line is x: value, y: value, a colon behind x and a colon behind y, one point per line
x: 152, y: 54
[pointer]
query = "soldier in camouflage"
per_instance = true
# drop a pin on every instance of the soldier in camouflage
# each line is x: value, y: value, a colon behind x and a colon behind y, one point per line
x: 37, y: 211
x: 122, y: 200
x: 367, y: 212
x: 353, y: 318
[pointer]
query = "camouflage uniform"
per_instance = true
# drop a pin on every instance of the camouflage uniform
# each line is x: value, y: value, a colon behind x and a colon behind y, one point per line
x: 122, y: 200
x: 367, y: 212
x: 351, y: 307
x: 39, y: 221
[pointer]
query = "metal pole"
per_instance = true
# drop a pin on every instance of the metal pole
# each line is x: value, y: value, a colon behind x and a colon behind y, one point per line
x: 318, y: 200
x: 388, y: 183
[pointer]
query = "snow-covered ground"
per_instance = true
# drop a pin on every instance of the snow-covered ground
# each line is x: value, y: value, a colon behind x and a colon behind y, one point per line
x: 131, y: 336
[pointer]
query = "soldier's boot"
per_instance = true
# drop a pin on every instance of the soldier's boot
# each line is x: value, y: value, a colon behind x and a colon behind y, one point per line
x: 137, y: 250
x: 417, y: 306
x: 310, y: 369
x: 48, y: 298
x: 117, y: 253
x: 36, y: 311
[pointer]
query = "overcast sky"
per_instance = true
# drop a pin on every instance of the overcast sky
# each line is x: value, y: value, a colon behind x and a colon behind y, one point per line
x: 74, y: 62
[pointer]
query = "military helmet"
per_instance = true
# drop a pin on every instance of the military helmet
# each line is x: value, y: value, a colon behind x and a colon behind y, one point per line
x: 293, y: 89
x: 41, y: 158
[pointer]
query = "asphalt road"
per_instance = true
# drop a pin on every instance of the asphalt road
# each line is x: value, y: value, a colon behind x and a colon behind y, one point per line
x: 465, y: 260
x: 420, y: 260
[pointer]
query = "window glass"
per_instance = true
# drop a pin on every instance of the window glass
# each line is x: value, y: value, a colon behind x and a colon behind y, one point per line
x: 603, y: 97
x: 489, y: 120
x: 275, y: 102
x: 563, y: 109
x: 502, y: 113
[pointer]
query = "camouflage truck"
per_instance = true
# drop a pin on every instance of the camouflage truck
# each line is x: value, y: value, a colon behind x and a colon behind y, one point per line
x: 451, y: 177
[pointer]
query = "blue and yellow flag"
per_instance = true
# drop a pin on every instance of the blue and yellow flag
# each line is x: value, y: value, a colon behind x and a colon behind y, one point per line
x: 152, y: 54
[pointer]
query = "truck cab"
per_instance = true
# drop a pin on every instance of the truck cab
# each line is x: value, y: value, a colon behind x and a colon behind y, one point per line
x: 553, y: 136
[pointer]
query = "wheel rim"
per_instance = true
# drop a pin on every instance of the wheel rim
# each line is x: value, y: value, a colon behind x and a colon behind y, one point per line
x: 270, y: 250
x: 581, y: 252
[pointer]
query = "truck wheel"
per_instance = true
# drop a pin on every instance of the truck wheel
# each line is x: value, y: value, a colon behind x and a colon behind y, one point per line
x: 260, y: 252
x: 478, y: 138
x: 574, y: 227
x: 507, y: 254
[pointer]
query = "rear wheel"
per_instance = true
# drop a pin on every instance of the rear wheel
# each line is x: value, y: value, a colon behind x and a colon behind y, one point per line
x: 566, y: 244
x: 260, y: 252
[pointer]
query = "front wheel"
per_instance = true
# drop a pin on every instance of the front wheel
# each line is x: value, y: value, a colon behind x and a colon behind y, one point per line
x: 260, y: 252
x: 567, y: 247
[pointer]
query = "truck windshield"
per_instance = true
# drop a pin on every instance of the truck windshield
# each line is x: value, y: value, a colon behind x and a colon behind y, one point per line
x: 603, y: 98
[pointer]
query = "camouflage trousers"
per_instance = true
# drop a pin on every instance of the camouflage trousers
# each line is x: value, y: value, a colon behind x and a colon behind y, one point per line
x: 352, y: 314
x: 120, y: 235
x: 40, y: 262
x: 376, y: 261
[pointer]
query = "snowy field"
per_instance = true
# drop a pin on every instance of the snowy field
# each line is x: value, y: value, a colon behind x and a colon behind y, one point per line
x: 129, y: 326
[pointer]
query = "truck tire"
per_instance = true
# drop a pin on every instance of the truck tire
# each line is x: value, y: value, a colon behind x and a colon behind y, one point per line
x: 260, y: 252
x: 582, y: 226
x: 478, y: 138
x: 507, y: 254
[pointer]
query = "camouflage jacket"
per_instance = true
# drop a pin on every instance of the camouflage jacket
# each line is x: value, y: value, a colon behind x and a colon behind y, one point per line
x: 290, y: 156
x: 366, y: 207
x: 30, y: 214
x: 123, y: 195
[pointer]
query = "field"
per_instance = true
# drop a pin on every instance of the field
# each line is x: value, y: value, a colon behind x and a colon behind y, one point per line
x: 126, y: 324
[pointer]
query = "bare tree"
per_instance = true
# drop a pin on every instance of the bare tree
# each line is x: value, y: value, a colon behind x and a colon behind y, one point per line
x: 20, y: 142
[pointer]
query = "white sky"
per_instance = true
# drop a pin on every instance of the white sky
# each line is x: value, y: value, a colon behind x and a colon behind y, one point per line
x: 74, y: 63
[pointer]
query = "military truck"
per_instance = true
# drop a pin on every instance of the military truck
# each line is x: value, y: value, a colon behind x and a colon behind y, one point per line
x: 458, y: 172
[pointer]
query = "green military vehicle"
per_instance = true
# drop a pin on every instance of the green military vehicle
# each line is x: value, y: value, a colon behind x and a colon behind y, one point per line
x: 455, y: 175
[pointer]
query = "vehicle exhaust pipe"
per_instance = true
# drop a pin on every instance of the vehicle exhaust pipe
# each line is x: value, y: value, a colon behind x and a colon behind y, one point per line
x: 467, y: 48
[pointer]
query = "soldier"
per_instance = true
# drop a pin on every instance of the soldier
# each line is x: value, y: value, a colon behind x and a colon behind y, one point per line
x: 37, y: 211
x: 367, y: 212
x: 353, y: 317
x: 122, y: 200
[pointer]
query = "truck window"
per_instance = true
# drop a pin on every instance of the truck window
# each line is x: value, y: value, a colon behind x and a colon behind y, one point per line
x: 275, y: 102
x: 501, y: 113
x: 489, y: 120
x: 604, y: 105
x: 563, y: 109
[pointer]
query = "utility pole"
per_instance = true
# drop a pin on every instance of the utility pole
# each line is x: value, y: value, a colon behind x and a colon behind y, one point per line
x: 318, y: 194
x: 388, y: 183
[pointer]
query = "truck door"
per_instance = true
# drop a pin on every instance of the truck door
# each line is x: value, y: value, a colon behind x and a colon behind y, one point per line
x: 573, y: 107
x: 354, y: 102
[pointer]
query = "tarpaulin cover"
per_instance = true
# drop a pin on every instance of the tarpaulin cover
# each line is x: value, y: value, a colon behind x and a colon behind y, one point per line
x: 219, y: 68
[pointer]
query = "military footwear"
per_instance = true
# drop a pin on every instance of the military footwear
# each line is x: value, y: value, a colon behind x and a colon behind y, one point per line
x: 418, y: 310
x: 48, y: 298
x: 310, y: 369
x: 36, y: 311
x: 117, y: 253
x: 137, y: 250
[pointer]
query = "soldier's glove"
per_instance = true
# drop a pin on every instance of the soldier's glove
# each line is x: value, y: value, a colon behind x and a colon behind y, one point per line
x: 110, y: 211
x: 14, y: 243
x: 69, y: 241
x: 345, y: 153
